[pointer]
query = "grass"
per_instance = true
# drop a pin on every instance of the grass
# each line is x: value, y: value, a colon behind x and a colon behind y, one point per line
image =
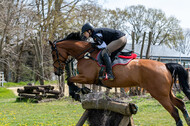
x: 151, y: 113
x: 12, y: 84
x: 6, y: 94
x: 58, y: 113
x: 67, y: 112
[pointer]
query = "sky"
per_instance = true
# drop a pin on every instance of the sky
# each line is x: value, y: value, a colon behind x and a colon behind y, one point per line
x: 177, y: 8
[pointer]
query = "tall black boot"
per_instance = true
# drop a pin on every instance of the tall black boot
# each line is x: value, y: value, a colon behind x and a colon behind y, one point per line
x: 107, y: 62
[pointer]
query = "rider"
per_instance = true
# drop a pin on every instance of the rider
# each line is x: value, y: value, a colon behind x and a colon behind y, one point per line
x: 111, y: 40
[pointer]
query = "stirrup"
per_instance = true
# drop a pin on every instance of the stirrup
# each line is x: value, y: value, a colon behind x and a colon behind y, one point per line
x: 101, y: 77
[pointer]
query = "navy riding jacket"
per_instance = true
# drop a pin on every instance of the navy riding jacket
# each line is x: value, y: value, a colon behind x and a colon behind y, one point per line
x: 106, y: 34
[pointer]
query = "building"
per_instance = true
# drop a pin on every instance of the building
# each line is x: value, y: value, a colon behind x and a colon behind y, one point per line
x: 163, y: 54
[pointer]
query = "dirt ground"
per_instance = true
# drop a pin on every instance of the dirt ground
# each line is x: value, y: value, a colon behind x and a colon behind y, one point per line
x: 14, y: 89
x: 66, y: 93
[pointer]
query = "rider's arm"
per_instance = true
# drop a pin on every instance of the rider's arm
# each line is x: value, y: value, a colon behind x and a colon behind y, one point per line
x: 98, y: 38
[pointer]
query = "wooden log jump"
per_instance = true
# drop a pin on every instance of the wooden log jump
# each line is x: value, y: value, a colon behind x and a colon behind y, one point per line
x: 120, y: 112
x: 38, y: 92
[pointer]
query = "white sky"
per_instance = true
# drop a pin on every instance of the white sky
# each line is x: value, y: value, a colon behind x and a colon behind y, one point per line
x: 177, y: 8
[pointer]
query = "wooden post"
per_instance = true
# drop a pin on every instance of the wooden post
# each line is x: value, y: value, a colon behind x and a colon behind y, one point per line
x: 1, y: 78
x: 141, y: 54
x: 149, y: 44
x: 126, y: 121
x: 107, y: 91
x: 133, y: 41
x: 116, y: 92
x: 122, y: 92
x: 83, y: 118
x: 94, y: 88
x: 184, y: 64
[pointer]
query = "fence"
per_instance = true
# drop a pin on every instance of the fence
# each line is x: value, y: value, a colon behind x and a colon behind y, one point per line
x: 1, y: 78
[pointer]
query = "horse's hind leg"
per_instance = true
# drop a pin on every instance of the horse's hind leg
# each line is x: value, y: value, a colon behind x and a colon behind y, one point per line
x: 180, y: 104
x: 166, y: 102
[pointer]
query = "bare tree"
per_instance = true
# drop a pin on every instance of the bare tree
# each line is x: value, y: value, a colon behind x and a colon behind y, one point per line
x: 183, y: 46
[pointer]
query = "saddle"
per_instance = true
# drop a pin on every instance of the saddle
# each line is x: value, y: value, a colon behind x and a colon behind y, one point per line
x: 121, y: 58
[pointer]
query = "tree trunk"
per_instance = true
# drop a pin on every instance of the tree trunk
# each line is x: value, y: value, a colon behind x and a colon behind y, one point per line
x: 39, y: 56
x: 4, y: 33
x: 62, y: 85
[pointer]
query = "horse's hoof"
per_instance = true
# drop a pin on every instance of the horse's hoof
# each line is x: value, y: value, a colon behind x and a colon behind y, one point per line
x: 187, y: 118
x: 179, y: 123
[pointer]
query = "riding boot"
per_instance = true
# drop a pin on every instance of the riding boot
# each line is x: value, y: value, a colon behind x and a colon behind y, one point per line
x: 107, y: 62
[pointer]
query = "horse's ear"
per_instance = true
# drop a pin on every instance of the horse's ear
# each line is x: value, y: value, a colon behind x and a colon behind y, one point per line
x: 51, y: 43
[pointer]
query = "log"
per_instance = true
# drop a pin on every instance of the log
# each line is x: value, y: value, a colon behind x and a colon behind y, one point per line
x: 53, y: 92
x: 40, y: 89
x: 126, y: 121
x: 52, y: 96
x: 49, y: 87
x: 38, y: 97
x: 27, y: 91
x: 31, y: 87
x: 122, y: 108
x: 83, y: 118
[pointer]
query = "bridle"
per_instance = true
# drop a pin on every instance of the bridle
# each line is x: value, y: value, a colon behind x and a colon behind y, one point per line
x: 67, y: 61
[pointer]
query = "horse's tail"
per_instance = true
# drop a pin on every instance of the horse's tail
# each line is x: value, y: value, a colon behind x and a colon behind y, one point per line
x: 178, y: 70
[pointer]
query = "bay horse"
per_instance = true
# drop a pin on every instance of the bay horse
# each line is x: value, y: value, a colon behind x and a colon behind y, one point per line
x: 156, y: 77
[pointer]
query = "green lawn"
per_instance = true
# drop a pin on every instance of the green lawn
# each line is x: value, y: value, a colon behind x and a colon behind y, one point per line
x: 5, y: 93
x: 67, y: 112
x: 12, y: 84
x: 151, y: 113
x: 58, y: 113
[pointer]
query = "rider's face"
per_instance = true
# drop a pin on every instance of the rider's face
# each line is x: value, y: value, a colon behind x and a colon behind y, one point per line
x: 86, y: 34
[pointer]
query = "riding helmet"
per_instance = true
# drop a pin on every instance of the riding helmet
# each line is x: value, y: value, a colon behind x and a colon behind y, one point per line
x: 87, y: 27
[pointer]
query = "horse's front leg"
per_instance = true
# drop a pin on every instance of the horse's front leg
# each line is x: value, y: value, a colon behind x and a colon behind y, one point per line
x: 81, y: 79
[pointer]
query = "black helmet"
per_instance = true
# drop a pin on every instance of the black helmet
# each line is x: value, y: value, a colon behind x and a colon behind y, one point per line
x: 87, y: 27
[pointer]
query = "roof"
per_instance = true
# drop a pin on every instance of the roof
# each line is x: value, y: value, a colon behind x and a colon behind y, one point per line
x: 157, y: 51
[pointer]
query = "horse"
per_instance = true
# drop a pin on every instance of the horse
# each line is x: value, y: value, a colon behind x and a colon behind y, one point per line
x: 154, y: 76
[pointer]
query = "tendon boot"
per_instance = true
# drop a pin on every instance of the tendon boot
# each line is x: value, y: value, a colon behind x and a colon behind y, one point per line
x: 107, y: 62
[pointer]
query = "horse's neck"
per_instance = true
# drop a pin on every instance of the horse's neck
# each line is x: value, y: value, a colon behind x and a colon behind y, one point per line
x: 74, y: 48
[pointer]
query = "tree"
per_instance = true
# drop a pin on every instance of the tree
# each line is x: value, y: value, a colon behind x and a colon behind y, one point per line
x: 164, y: 30
x: 114, y: 18
x: 135, y: 18
x: 183, y: 46
x: 5, y: 19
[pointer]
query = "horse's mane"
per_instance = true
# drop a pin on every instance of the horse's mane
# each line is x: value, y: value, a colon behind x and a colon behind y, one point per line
x: 71, y: 36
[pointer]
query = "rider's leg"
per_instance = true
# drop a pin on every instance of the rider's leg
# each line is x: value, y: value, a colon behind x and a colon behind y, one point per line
x: 107, y: 61
x: 106, y: 53
x: 116, y: 44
